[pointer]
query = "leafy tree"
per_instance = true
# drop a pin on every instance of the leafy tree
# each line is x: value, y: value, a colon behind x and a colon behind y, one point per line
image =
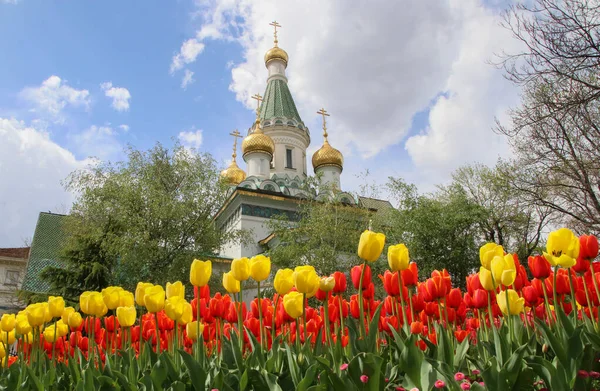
x: 141, y: 219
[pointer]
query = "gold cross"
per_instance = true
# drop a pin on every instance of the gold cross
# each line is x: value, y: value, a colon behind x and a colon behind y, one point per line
x: 258, y: 100
x: 324, y: 113
x: 235, y: 135
x: 275, y: 25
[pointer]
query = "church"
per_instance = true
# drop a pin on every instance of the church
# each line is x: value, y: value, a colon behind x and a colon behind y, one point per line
x: 275, y: 179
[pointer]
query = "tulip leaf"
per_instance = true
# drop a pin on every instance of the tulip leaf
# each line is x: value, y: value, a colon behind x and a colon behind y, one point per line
x: 177, y: 386
x: 461, y: 352
x: 308, y: 378
x: 366, y: 364
x: 271, y: 380
x: 159, y: 373
x: 566, y: 323
x: 196, y: 372
x: 244, y: 380
x: 34, y: 379
x: 293, y: 365
x: 555, y: 344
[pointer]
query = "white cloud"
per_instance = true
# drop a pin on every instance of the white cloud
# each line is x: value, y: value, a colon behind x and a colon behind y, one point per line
x: 375, y: 65
x: 97, y: 141
x: 31, y: 168
x: 188, y: 52
x: 120, y: 96
x: 187, y: 79
x: 124, y: 128
x: 54, y: 95
x: 191, y: 139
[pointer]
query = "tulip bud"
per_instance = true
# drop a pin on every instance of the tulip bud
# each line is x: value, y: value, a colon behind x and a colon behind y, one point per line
x: 230, y: 284
x: 8, y: 322
x: 260, y: 267
x: 56, y: 306
x: 126, y: 316
x: 398, y: 258
x: 74, y: 320
x: 200, y: 272
x: 371, y: 245
x: 284, y: 281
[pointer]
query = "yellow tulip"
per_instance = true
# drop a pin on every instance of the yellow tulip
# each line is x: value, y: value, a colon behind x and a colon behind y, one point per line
x: 175, y: 289
x: 65, y: 314
x: 398, y: 258
x: 293, y: 303
x: 284, y: 281
x: 22, y: 325
x: 155, y: 298
x: 191, y: 330
x: 200, y: 272
x: 486, y: 279
x: 62, y: 328
x: 36, y: 314
x: 49, y: 335
x: 306, y: 279
x: 74, y: 320
x: 562, y: 248
x: 240, y: 268
x: 56, y: 305
x: 8, y: 338
x: 188, y: 315
x: 96, y: 305
x: 2, y: 351
x: 126, y: 316
x: 47, y: 314
x: 111, y: 296
x: 371, y: 245
x: 504, y: 270
x: 230, y: 284
x: 516, y: 303
x: 8, y: 322
x: 126, y: 299
x: 174, y: 307
x: 487, y: 252
x: 140, y: 292
x: 260, y: 267
x: 327, y: 284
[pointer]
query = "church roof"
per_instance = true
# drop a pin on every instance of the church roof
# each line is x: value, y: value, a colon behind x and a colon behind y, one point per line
x: 15, y: 252
x: 278, y: 102
x: 374, y: 203
x: 48, y: 239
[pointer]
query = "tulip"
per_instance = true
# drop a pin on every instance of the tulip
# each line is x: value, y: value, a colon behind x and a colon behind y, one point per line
x: 355, y: 276
x: 62, y: 328
x: 175, y: 289
x: 306, y: 279
x: 398, y: 258
x: 503, y: 270
x: 49, y: 334
x: 193, y: 328
x: 326, y: 284
x: 293, y: 303
x: 588, y: 246
x: 126, y: 316
x: 174, y: 307
x: 510, y: 300
x: 410, y: 276
x: 240, y: 268
x: 200, y: 272
x: 230, y: 284
x: 140, y: 292
x: 188, y: 314
x: 284, y: 281
x: 154, y: 298
x: 8, y: 322
x: 480, y: 298
x: 260, y: 267
x: 65, y: 314
x: 454, y: 298
x: 539, y: 267
x: 436, y: 287
x: 126, y: 299
x: 562, y: 248
x: 93, y: 304
x: 74, y: 320
x: 36, y: 314
x: 371, y: 245
x: 487, y: 252
x: 111, y: 296
x: 57, y: 305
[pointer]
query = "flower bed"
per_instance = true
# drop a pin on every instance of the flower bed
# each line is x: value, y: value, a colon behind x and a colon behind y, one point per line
x: 505, y: 332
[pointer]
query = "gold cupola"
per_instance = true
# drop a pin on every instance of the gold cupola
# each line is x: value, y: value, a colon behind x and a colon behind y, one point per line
x: 257, y: 141
x: 327, y: 155
x: 233, y: 174
x: 276, y: 53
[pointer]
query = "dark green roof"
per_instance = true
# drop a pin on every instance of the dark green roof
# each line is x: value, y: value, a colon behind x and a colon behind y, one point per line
x: 48, y: 239
x: 278, y: 102
x: 374, y: 203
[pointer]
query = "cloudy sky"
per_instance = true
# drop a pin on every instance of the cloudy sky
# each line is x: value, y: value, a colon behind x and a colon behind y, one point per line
x: 408, y: 85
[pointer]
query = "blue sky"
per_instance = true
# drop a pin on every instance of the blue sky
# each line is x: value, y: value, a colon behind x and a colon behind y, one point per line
x: 407, y: 85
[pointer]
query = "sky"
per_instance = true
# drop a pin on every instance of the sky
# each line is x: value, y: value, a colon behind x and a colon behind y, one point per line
x: 408, y: 84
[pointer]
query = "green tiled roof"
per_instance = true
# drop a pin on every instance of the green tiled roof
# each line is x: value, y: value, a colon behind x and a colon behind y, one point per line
x: 48, y: 239
x: 278, y: 102
x: 374, y: 203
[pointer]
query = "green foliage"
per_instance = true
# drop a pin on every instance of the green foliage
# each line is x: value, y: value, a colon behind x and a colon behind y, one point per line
x: 141, y: 219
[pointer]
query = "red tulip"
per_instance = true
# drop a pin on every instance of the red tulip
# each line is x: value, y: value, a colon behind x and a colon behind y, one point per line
x: 436, y: 287
x: 454, y: 298
x: 531, y: 296
x: 355, y: 274
x: 539, y: 267
x: 390, y: 283
x: 480, y: 298
x: 588, y: 246
x: 340, y: 282
x: 582, y: 265
x: 410, y: 276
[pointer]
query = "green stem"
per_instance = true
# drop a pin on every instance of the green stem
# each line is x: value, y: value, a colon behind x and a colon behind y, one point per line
x: 198, y: 324
x: 157, y: 333
x: 573, y: 301
x: 401, y: 288
x: 304, y: 315
x: 554, y: 287
x: 412, y: 313
x: 327, y: 327
x: 546, y: 304
x: 240, y: 330
x: 260, y: 319
x: 273, y: 318
x: 589, y: 303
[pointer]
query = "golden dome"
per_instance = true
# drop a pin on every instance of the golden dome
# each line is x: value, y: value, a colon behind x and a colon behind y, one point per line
x: 257, y: 141
x: 233, y: 174
x: 327, y: 156
x: 276, y: 53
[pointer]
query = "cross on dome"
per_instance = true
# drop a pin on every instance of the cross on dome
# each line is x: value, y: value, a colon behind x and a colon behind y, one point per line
x: 275, y: 25
x: 324, y: 114
x: 235, y: 135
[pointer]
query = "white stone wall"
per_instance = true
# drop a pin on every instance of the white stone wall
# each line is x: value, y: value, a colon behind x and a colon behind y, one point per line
x: 330, y: 177
x: 258, y: 164
x: 12, y: 272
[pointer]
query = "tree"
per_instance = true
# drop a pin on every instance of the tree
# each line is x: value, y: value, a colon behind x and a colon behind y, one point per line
x: 555, y: 131
x: 440, y: 230
x: 508, y: 219
x: 144, y: 218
